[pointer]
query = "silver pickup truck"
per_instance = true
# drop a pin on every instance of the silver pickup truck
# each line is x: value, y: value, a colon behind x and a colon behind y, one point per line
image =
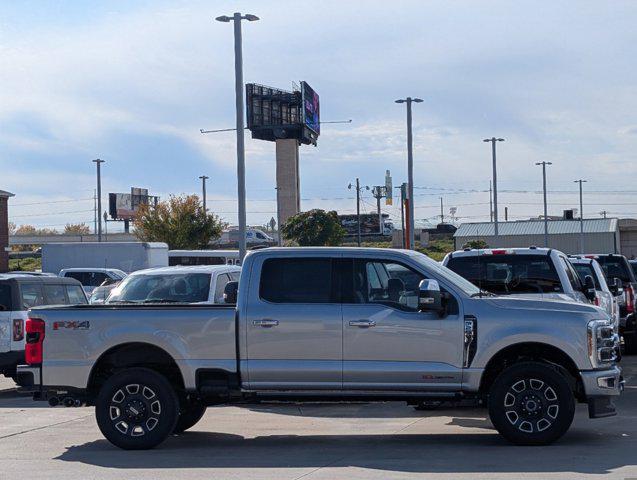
x: 335, y: 324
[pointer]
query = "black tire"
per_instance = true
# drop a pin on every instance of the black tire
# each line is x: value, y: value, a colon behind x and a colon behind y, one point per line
x: 136, y: 409
x: 189, y: 415
x: 531, y: 404
x: 630, y: 344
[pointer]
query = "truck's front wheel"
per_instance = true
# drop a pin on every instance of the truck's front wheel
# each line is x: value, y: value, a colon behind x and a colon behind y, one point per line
x: 136, y: 409
x: 531, y: 404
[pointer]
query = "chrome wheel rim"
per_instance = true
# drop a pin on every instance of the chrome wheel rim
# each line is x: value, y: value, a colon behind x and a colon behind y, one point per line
x: 134, y: 410
x: 531, y: 405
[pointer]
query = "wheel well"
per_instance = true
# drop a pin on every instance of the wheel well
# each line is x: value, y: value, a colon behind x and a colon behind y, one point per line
x: 531, y: 351
x: 136, y: 354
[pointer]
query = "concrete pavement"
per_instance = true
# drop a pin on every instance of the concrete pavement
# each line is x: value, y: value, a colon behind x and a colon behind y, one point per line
x: 354, y: 441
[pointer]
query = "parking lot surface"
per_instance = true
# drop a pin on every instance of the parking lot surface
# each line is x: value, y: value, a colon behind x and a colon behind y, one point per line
x: 353, y: 441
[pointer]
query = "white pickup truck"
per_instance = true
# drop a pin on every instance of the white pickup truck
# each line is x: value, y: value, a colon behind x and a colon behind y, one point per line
x: 332, y: 324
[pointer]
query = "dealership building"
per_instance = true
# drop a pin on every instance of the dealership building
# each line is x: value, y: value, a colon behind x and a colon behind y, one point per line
x: 601, y: 235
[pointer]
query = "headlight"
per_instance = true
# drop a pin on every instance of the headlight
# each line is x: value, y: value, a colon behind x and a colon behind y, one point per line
x: 603, y: 343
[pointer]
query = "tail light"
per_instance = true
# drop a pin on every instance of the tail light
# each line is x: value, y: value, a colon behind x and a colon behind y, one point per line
x: 18, y: 329
x: 596, y: 301
x: 630, y: 299
x: 35, y: 338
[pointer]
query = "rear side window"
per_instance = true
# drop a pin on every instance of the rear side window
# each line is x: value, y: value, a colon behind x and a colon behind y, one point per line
x: 31, y: 294
x: 55, y: 294
x: 298, y: 280
x: 509, y: 274
x: 572, y: 275
x: 5, y: 298
x: 222, y: 281
x: 75, y: 294
x: 583, y: 270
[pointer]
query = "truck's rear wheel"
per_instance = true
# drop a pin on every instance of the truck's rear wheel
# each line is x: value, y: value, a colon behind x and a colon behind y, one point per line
x: 189, y: 415
x: 136, y: 409
x: 531, y: 404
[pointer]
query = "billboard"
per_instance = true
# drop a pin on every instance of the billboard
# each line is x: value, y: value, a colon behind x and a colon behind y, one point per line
x: 369, y: 223
x: 124, y: 206
x: 311, y: 108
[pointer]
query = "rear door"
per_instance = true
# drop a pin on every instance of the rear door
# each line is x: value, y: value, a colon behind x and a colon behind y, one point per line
x: 294, y: 333
x: 387, y: 343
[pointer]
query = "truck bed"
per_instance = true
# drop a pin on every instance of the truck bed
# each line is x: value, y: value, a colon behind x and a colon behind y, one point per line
x: 198, y: 337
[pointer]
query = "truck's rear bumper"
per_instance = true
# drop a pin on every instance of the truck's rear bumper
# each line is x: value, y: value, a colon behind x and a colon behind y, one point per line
x: 28, y: 378
x: 601, y: 388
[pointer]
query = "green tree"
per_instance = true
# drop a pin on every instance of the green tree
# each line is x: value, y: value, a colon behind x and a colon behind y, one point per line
x: 314, y: 228
x: 179, y: 221
x: 76, y: 229
x: 475, y: 244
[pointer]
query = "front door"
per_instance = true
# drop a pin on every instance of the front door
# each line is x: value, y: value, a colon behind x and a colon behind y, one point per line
x: 387, y: 343
x: 294, y: 326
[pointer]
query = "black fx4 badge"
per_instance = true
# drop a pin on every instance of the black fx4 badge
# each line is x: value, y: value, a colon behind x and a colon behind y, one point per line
x: 85, y: 325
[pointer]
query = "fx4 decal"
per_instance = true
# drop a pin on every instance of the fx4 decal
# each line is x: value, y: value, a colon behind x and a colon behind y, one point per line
x: 85, y: 325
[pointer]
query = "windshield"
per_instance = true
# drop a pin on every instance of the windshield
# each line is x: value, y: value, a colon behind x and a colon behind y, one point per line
x: 509, y: 273
x: 182, y: 288
x: 458, y: 281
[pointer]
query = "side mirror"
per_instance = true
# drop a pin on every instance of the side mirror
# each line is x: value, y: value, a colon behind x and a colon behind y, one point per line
x: 616, y: 287
x: 589, y: 288
x: 429, y: 298
x: 230, y: 292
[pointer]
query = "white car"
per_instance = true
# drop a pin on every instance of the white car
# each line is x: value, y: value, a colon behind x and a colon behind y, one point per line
x: 191, y: 284
x: 523, y: 272
x: 93, y: 277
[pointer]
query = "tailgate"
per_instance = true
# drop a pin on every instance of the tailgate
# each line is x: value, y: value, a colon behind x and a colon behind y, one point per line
x: 5, y: 331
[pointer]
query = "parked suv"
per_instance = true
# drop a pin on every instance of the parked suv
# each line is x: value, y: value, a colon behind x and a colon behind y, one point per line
x: 617, y: 266
x: 18, y: 293
x: 527, y: 272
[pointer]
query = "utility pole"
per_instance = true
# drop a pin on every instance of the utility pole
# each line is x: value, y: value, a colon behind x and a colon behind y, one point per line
x: 603, y: 213
x: 238, y: 87
x: 506, y: 214
x: 358, y: 209
x: 203, y: 192
x: 442, y: 212
x: 98, y: 163
x: 581, y: 216
x: 490, y: 202
x: 278, y: 218
x: 495, y: 182
x: 95, y: 211
x: 546, y: 216
x: 378, y: 193
x: 410, y: 170
x: 403, y: 189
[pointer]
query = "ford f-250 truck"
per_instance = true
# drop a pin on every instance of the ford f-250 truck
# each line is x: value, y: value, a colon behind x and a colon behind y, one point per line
x: 335, y: 324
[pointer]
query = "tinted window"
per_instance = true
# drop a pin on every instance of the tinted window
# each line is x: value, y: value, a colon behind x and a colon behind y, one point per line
x: 31, y: 294
x: 81, y: 277
x: 55, y: 294
x: 505, y: 274
x: 616, y: 267
x: 95, y: 279
x: 5, y: 297
x: 387, y: 283
x: 181, y: 288
x: 298, y: 280
x: 634, y: 267
x: 584, y: 269
x: 75, y: 294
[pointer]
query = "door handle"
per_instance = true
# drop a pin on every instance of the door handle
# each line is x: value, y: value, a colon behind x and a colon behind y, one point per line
x: 362, y: 323
x: 266, y: 323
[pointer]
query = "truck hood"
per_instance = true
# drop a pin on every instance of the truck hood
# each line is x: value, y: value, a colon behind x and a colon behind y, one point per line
x: 553, y: 305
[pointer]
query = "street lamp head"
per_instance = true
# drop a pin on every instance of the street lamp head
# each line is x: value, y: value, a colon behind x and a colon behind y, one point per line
x: 251, y: 18
x: 500, y: 139
x: 417, y: 100
x: 349, y: 187
x: 401, y: 100
x: 223, y: 18
x: 486, y: 140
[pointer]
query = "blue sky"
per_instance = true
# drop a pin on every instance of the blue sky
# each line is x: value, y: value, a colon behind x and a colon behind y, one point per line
x: 133, y: 82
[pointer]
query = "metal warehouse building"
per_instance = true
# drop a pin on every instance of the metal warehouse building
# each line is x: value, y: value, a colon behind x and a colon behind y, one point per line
x: 600, y: 235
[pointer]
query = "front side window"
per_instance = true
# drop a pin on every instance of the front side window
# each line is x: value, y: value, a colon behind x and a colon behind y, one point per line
x: 298, y: 280
x: 508, y: 273
x: 55, y: 294
x: 31, y: 294
x: 177, y: 288
x: 222, y: 281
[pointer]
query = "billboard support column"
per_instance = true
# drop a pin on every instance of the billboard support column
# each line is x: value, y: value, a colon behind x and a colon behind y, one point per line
x: 287, y: 179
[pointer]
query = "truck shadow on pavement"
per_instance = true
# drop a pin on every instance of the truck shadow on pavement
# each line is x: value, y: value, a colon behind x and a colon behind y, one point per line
x: 412, y: 453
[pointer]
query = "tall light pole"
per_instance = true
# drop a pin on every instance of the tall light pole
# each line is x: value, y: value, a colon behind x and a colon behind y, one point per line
x: 581, y: 216
x: 546, y: 215
x: 358, y: 209
x: 238, y: 87
x: 495, y: 183
x: 98, y: 163
x: 203, y: 192
x: 410, y: 167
